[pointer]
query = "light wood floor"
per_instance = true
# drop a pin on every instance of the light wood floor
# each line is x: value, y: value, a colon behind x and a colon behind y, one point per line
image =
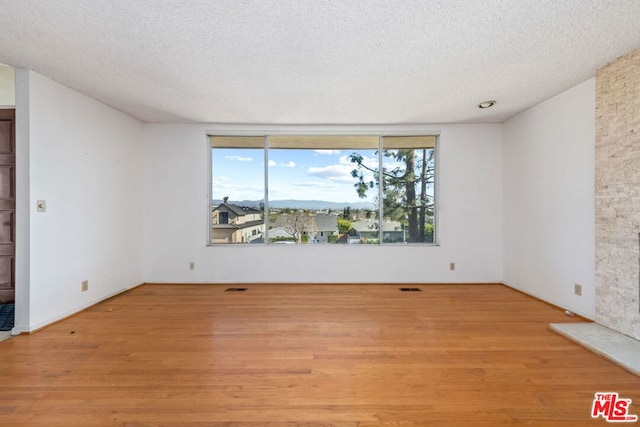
x: 343, y: 355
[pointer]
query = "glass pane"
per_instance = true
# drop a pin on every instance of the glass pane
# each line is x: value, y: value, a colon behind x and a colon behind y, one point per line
x: 237, y: 193
x: 323, y: 189
x: 315, y: 195
x: 408, y: 191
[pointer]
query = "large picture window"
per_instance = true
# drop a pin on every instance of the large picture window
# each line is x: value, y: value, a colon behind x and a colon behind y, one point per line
x: 323, y: 189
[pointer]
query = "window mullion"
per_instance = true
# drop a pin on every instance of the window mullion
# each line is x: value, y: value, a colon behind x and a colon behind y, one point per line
x: 265, y: 209
x: 380, y: 190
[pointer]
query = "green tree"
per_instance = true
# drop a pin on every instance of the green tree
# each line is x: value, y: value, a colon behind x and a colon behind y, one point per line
x: 405, y: 187
x: 346, y: 212
x: 344, y: 225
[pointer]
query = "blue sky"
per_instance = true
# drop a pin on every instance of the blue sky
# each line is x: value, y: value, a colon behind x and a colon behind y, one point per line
x: 293, y: 174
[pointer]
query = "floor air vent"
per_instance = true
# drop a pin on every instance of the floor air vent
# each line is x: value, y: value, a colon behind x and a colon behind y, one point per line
x: 235, y: 290
x: 411, y: 289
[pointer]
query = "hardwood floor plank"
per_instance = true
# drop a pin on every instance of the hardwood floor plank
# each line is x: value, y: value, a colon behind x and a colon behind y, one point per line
x: 317, y: 355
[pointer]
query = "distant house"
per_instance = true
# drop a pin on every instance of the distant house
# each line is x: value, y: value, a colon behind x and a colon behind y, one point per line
x: 392, y: 231
x: 278, y: 233
x: 236, y: 224
x: 326, y: 225
x: 316, y: 227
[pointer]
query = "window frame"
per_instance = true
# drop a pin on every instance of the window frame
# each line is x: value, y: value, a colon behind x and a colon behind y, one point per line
x: 380, y: 133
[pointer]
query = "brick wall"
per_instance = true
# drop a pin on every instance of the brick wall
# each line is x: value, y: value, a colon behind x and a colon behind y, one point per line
x: 618, y: 195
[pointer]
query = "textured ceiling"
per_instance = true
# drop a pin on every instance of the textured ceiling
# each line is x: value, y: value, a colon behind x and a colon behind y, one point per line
x: 314, y: 61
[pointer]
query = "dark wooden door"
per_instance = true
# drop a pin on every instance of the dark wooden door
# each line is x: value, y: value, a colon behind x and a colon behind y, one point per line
x: 7, y: 205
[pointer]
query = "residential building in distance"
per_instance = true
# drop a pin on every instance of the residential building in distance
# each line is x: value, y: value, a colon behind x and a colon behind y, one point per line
x: 236, y: 224
x: 326, y: 225
x: 367, y: 229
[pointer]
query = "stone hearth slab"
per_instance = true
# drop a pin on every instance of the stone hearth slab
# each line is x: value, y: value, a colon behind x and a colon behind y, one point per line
x: 619, y: 348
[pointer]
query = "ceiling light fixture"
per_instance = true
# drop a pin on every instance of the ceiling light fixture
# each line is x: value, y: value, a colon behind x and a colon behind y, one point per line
x: 486, y: 104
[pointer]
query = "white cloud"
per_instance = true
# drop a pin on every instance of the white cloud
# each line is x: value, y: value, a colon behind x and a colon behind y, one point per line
x: 305, y: 190
x: 369, y: 161
x: 238, y: 191
x: 314, y: 184
x: 289, y: 164
x: 238, y: 158
x: 223, y: 178
x: 327, y: 152
x: 340, y: 173
x: 318, y: 189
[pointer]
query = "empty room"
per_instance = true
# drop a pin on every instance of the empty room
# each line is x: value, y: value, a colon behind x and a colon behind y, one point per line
x: 319, y: 213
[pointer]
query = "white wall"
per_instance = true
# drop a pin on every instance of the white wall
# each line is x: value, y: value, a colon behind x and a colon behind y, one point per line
x: 86, y: 160
x: 128, y: 202
x: 549, y: 231
x: 470, y: 189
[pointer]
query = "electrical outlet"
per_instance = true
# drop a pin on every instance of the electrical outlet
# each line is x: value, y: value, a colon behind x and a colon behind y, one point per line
x: 85, y: 285
x: 452, y: 266
x: 192, y: 265
x: 577, y: 289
